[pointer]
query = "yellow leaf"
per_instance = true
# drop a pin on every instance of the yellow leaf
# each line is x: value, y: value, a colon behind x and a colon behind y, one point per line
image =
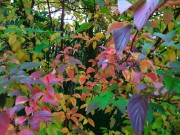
x: 145, y: 64
x: 16, y: 46
x: 12, y: 39
x: 171, y: 55
x: 170, y: 25
x: 73, y: 101
x: 91, y: 122
x: 54, y: 36
x: 85, y: 121
x: 94, y: 44
x: 99, y: 35
x: 112, y: 123
x: 2, y: 27
x: 20, y: 54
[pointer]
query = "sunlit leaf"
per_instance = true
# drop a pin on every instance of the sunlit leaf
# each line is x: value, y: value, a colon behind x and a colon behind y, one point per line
x: 142, y: 15
x: 123, y: 5
x: 83, y: 27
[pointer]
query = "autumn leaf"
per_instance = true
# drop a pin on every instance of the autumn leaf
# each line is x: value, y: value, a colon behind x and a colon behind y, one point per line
x: 123, y: 5
x: 26, y: 132
x: 4, y: 123
x: 146, y: 64
x: 137, y: 110
x: 121, y: 37
x: 70, y: 74
x: 91, y: 122
x: 142, y: 15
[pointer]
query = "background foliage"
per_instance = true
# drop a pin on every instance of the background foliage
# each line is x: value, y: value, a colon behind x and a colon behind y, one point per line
x: 89, y: 67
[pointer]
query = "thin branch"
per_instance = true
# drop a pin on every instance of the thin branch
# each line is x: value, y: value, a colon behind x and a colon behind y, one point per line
x: 49, y: 13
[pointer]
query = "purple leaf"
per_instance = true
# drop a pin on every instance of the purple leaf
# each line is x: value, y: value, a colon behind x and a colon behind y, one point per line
x: 121, y: 37
x: 62, y: 68
x: 121, y: 67
x: 36, y: 74
x: 26, y: 132
x: 74, y: 61
x: 141, y: 87
x: 38, y: 117
x: 21, y: 100
x: 15, y: 93
x: 100, y: 61
x: 137, y: 110
x: 123, y: 5
x: 142, y: 15
x: 50, y: 90
x: 4, y: 123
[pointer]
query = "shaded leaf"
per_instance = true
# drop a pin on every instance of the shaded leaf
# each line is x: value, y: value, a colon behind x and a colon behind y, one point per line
x: 30, y: 65
x: 167, y: 38
x: 142, y: 15
x: 121, y: 37
x: 137, y: 110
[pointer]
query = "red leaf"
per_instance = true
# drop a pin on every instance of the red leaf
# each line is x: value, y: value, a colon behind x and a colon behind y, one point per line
x: 137, y: 109
x: 50, y: 100
x: 104, y: 65
x: 121, y: 37
x: 51, y: 78
x: 142, y: 15
x: 75, y: 120
x: 21, y: 100
x: 70, y: 74
x: 26, y: 132
x: 90, y: 70
x: 4, y: 123
x: 153, y: 76
x: 123, y: 5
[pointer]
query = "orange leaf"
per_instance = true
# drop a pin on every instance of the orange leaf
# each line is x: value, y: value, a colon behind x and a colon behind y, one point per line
x: 91, y: 122
x: 75, y: 120
x: 73, y: 101
x: 82, y: 79
x: 126, y: 74
x: 76, y: 95
x: 145, y: 64
x: 114, y: 26
x: 64, y: 130
x: 90, y: 70
x: 70, y: 74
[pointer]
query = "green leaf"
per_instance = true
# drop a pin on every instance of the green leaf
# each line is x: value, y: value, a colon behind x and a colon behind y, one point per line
x: 120, y: 103
x: 31, y: 30
x: 40, y: 47
x: 149, y: 116
x: 83, y: 27
x: 30, y: 65
x: 101, y: 101
x: 171, y: 82
x: 158, y: 107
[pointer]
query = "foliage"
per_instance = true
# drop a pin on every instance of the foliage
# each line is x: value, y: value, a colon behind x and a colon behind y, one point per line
x: 112, y: 68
